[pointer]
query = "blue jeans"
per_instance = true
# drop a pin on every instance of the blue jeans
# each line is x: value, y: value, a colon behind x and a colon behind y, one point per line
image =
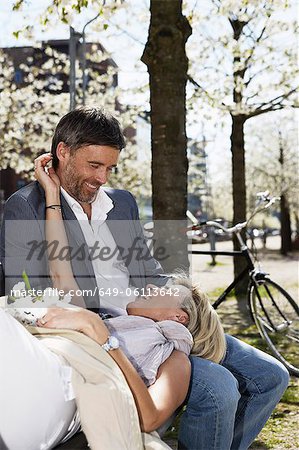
x: 229, y: 404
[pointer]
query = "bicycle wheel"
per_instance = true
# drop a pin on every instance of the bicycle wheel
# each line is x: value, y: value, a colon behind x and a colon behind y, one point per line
x: 276, y: 316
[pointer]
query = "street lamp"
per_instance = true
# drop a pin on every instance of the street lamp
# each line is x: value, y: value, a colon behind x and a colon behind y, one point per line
x: 74, y: 38
x: 84, y: 81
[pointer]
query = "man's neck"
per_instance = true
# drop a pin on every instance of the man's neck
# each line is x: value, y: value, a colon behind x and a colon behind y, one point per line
x: 85, y: 206
x: 87, y: 209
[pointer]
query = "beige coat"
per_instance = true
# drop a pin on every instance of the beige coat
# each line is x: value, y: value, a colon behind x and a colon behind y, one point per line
x: 106, y: 405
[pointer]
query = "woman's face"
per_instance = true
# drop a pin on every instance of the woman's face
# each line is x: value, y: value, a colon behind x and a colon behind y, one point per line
x: 161, y: 304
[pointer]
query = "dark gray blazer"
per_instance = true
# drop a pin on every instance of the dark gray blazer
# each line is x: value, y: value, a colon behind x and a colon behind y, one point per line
x: 23, y: 245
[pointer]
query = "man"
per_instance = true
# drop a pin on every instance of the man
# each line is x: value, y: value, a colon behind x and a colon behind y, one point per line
x: 227, y: 404
x: 85, y: 149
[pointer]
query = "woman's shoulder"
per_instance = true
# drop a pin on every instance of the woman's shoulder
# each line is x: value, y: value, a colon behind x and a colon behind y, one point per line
x: 130, y: 322
x: 176, y: 331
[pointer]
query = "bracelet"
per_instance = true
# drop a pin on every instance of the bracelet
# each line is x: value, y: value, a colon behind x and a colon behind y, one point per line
x: 58, y: 207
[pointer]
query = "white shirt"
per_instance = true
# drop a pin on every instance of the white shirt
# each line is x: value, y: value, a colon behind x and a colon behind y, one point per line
x: 112, y: 275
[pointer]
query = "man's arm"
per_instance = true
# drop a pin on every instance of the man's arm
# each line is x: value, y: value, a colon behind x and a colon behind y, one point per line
x: 23, y: 246
x: 152, y: 269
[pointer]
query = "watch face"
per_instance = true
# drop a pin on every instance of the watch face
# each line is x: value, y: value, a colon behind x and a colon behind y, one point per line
x: 113, y: 342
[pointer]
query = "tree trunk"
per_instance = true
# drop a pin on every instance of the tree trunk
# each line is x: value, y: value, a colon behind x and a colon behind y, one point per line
x: 167, y: 64
x: 238, y: 159
x: 285, y: 231
x: 239, y: 196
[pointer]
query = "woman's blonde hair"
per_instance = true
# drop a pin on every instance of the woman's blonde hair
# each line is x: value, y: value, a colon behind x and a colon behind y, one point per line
x: 204, y: 323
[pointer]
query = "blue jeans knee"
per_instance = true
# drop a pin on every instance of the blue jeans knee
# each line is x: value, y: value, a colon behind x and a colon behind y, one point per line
x: 212, y: 387
x: 255, y: 370
x: 208, y: 421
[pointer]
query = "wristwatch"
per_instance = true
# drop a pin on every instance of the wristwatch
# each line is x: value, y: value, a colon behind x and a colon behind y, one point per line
x: 112, y: 343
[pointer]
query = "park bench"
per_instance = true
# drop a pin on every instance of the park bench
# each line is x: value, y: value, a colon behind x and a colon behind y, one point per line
x: 77, y: 442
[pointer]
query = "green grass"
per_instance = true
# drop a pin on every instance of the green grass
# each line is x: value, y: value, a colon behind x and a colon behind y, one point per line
x: 291, y: 395
x: 213, y: 295
x: 217, y: 263
x: 281, y: 430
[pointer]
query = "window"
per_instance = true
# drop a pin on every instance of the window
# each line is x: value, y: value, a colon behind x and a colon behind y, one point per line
x: 18, y: 76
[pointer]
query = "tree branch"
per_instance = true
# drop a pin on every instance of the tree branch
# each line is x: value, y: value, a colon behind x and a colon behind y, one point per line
x: 273, y: 105
x: 253, y: 48
x: 261, y: 71
x: 192, y: 81
x: 277, y: 100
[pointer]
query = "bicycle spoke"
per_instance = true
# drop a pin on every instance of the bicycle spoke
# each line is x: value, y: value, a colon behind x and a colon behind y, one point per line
x: 276, y: 316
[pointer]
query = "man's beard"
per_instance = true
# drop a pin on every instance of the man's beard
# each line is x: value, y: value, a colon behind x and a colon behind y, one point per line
x: 75, y: 187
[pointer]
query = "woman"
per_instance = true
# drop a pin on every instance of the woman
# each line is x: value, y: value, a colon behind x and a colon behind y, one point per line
x: 190, y: 308
x: 155, y: 404
x: 40, y: 411
x: 176, y: 318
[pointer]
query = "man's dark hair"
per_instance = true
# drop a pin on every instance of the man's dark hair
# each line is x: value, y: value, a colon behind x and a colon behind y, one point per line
x: 87, y: 126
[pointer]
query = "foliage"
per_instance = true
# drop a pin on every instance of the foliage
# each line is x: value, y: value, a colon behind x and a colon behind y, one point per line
x: 265, y: 137
x: 273, y: 164
x: 245, y: 65
x: 66, y: 10
x: 30, y: 112
x: 228, y: 77
x: 257, y: 60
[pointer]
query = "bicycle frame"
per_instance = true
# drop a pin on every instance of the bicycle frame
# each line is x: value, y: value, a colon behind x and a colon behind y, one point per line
x: 244, y: 253
x: 255, y: 275
x: 275, y: 322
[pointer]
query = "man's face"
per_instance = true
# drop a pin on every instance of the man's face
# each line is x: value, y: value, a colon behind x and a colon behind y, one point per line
x: 84, y: 171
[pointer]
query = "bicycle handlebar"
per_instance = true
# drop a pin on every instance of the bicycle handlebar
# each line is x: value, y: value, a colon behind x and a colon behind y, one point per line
x: 212, y: 223
x: 263, y: 197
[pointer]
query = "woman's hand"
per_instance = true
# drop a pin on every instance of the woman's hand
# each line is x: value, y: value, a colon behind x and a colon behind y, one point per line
x: 77, y: 319
x: 48, y: 180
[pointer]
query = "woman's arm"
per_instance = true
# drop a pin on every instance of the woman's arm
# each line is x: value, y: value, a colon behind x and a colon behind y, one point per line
x: 156, y: 404
x: 171, y: 386
x: 60, y: 269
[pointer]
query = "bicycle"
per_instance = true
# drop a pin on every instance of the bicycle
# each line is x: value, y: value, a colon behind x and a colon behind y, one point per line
x: 274, y: 311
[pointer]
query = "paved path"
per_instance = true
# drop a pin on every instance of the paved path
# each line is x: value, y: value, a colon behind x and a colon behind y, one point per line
x: 282, y: 269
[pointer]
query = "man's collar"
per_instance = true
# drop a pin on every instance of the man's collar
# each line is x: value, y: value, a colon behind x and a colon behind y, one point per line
x: 101, y: 206
x: 70, y: 200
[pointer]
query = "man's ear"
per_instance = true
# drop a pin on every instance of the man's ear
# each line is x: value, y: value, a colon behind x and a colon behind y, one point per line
x: 62, y: 152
